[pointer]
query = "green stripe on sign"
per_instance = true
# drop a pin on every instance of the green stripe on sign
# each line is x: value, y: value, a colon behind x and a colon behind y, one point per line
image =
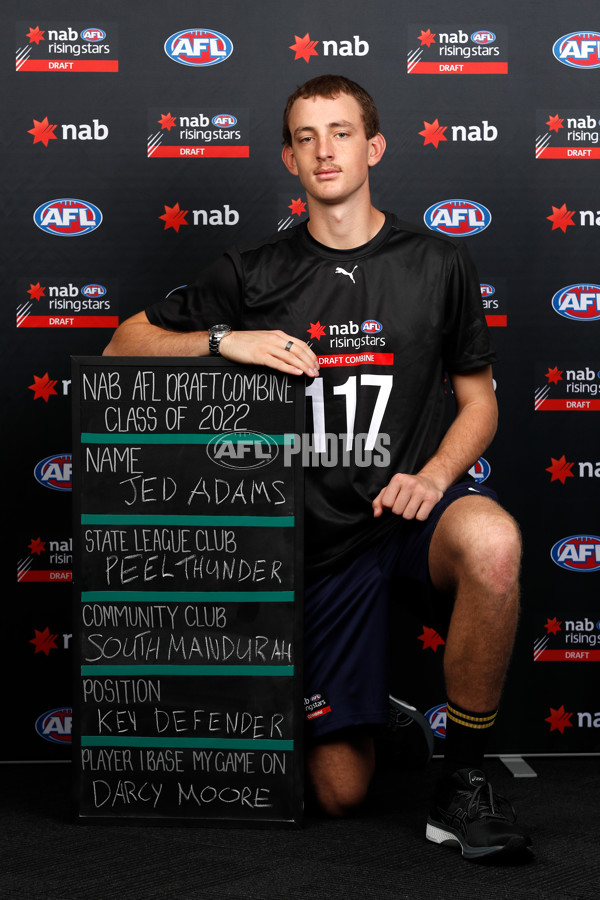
x: 258, y: 671
x: 90, y: 437
x: 187, y: 743
x: 187, y: 597
x: 254, y: 521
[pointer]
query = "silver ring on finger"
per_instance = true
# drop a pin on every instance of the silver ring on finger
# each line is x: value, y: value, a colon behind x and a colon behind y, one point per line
x: 289, y: 345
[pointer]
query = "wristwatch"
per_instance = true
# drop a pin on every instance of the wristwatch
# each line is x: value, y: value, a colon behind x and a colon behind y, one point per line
x: 215, y: 336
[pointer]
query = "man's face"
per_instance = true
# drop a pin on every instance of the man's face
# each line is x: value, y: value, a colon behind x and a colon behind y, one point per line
x: 330, y: 152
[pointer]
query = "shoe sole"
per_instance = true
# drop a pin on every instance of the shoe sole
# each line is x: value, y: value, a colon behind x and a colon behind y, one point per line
x: 448, y: 836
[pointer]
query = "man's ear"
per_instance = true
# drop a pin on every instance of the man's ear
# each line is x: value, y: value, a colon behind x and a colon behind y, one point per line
x: 289, y: 160
x: 376, y: 148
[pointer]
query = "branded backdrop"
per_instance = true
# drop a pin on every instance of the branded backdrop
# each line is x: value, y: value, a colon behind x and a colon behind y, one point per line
x: 140, y: 140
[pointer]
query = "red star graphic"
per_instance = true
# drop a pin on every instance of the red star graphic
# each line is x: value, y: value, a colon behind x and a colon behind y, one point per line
x: 559, y: 719
x: 43, y: 641
x: 316, y: 330
x: 554, y: 375
x: 554, y: 123
x: 37, y: 545
x: 427, y: 38
x: 304, y: 48
x: 42, y: 387
x: 35, y: 35
x: 560, y: 469
x: 42, y: 132
x: 431, y: 639
x: 561, y: 217
x: 433, y: 133
x: 174, y: 217
x: 552, y: 626
x: 36, y: 291
x: 297, y: 207
x: 167, y: 121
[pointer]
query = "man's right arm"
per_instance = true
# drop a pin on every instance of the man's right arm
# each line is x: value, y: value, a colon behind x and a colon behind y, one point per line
x: 138, y: 337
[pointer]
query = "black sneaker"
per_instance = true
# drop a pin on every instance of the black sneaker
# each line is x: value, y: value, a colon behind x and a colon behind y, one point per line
x: 465, y: 811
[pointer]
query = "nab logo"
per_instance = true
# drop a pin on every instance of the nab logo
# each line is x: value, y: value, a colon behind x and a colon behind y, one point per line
x: 198, y: 47
x: 55, y: 725
x: 224, y: 120
x: 242, y: 450
x: 578, y: 553
x: 55, y: 472
x: 93, y: 35
x: 459, y: 218
x: 67, y: 218
x: 93, y: 290
x: 580, y: 50
x: 578, y: 301
x: 371, y: 326
x: 483, y: 37
x: 436, y: 716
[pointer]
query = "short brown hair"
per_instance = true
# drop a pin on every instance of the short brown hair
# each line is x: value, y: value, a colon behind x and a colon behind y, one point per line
x: 331, y: 86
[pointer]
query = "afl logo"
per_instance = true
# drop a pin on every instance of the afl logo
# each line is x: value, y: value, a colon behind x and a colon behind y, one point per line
x: 436, y: 716
x: 55, y: 725
x: 578, y: 553
x: 480, y: 471
x: 459, y: 218
x: 487, y: 290
x: 67, y: 218
x: 93, y: 290
x: 578, y: 301
x: 580, y: 49
x: 483, y: 37
x: 198, y: 47
x: 55, y: 472
x: 242, y: 450
x: 93, y: 35
x: 224, y: 120
x: 371, y: 326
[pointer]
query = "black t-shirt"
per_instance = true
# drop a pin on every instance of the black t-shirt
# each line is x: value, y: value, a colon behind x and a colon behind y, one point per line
x: 387, y: 321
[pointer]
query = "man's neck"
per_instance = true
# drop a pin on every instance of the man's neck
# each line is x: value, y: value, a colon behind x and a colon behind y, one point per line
x: 342, y: 228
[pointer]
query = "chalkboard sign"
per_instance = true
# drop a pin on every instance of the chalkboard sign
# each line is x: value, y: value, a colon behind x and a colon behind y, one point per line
x: 188, y: 586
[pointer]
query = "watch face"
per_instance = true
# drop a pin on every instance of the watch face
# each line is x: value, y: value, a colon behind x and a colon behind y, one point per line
x: 214, y: 337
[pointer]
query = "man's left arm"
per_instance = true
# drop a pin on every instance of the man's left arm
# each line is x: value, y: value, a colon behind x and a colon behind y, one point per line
x: 471, y: 432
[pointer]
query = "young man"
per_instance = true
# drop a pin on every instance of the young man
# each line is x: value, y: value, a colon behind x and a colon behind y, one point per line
x: 368, y: 526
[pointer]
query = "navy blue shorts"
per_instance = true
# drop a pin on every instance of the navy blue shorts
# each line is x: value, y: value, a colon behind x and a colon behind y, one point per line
x: 346, y: 669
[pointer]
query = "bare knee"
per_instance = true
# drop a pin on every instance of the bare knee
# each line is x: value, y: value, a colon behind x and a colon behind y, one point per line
x: 340, y: 772
x: 478, y: 546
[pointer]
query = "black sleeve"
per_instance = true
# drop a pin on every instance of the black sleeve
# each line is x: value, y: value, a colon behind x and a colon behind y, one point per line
x: 467, y: 344
x: 214, y: 298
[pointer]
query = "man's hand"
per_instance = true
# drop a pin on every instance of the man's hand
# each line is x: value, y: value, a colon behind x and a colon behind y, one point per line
x: 137, y: 337
x: 268, y: 348
x: 409, y: 496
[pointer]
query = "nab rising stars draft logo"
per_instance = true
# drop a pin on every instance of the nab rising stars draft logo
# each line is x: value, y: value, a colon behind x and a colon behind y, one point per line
x: 575, y: 639
x: 71, y: 48
x: 579, y: 49
x: 190, y: 134
x: 459, y: 218
x: 557, y: 392
x: 569, y: 135
x: 448, y: 51
x: 297, y: 214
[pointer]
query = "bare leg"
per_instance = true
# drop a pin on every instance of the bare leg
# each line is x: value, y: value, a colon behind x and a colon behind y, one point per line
x: 475, y: 552
x: 341, y: 771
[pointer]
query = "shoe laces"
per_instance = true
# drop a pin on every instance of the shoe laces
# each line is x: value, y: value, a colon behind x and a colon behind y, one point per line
x: 483, y: 802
